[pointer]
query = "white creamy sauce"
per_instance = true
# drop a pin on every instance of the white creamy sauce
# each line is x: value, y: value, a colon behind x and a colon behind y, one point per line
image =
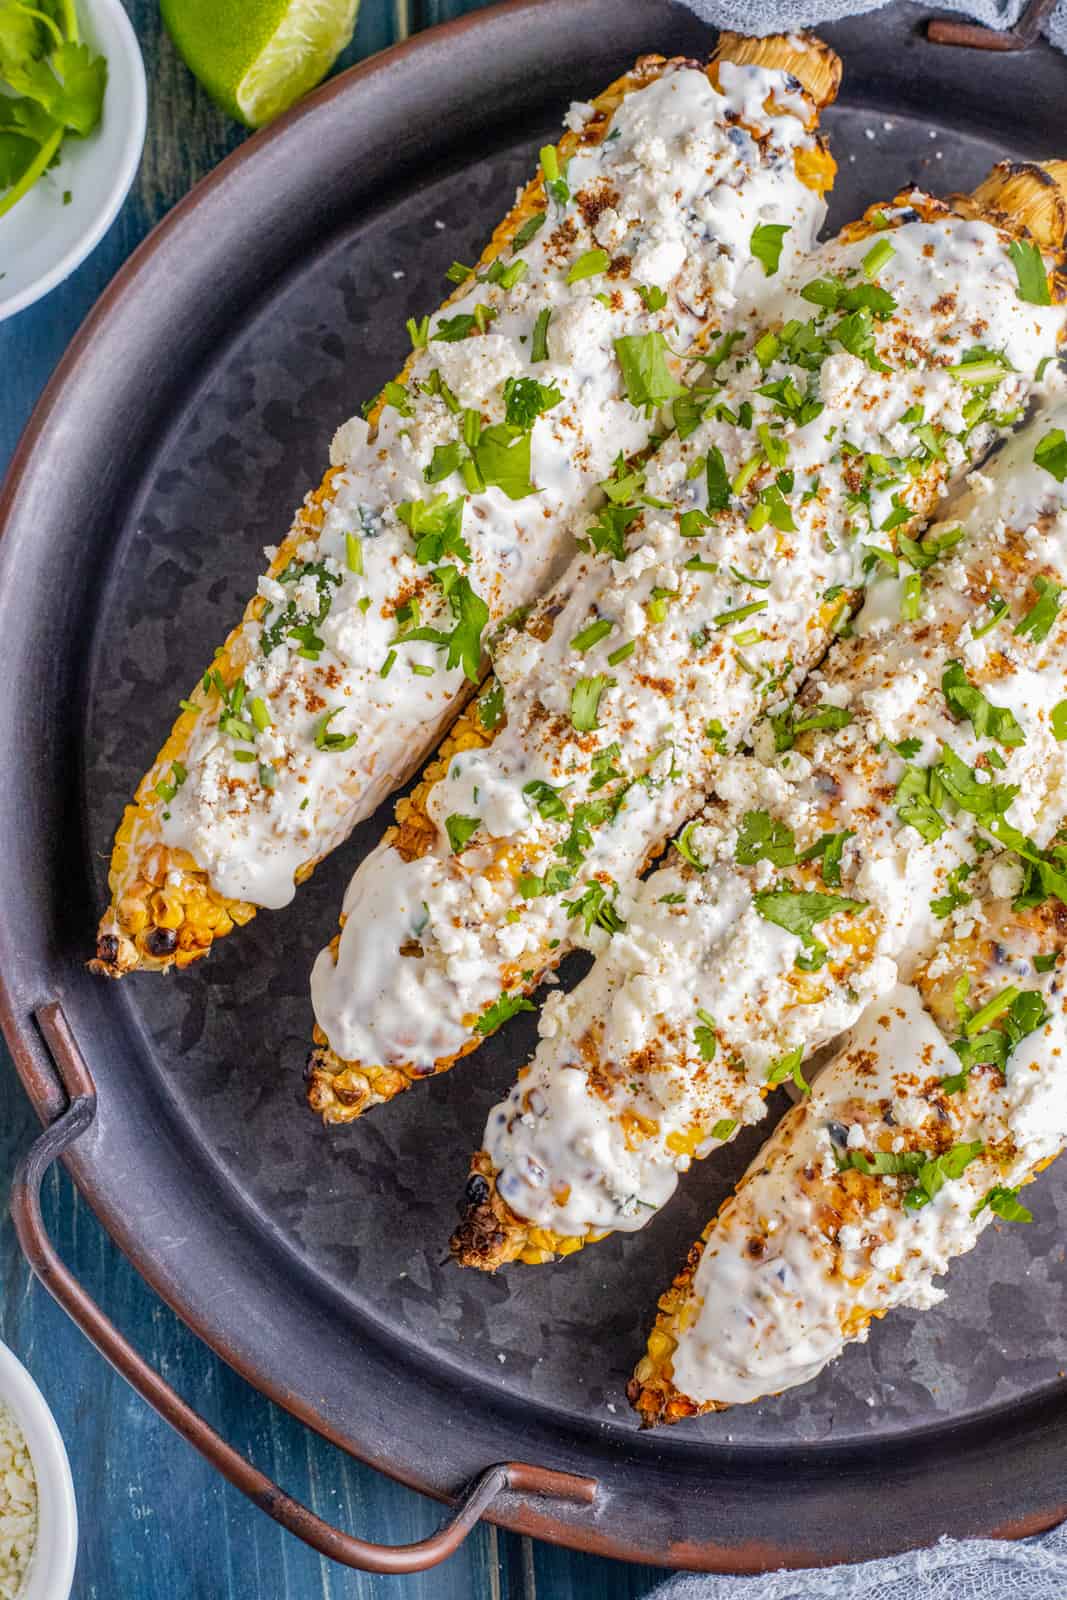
x: 761, y: 1317
x: 677, y: 187
x: 690, y: 659
x: 694, y: 942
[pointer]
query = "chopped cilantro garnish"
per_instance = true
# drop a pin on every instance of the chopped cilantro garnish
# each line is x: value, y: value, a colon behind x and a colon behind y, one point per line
x: 1051, y: 453
x: 766, y: 245
x: 460, y: 830
x: 788, y: 725
x: 608, y: 532
x: 704, y: 1035
x: 762, y: 837
x: 494, y: 1017
x: 799, y: 911
x: 464, y: 643
x: 395, y: 395
x: 590, y: 265
x: 992, y: 1032
x: 988, y: 720
x: 724, y: 1128
x: 596, y: 907
x: 503, y: 460
x: 646, y: 374
x: 915, y: 806
x: 436, y: 528
x: 604, y: 769
x: 1038, y: 621
x: 933, y: 1174
x: 1030, y: 272
x: 292, y: 622
x: 955, y: 895
x: 526, y: 400
x: 1003, y: 1203
x: 547, y: 801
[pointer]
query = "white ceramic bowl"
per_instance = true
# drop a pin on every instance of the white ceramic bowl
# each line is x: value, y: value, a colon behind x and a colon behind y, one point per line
x: 41, y: 239
x: 51, y: 1571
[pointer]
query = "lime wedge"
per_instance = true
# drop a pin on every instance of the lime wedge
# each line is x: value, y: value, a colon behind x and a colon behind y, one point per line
x: 255, y: 57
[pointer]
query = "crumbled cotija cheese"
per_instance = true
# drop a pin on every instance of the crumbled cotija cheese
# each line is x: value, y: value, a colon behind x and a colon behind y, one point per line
x: 18, y: 1506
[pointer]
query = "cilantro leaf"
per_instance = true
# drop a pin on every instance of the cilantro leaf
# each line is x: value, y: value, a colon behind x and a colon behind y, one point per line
x: 764, y: 838
x: 501, y: 1011
x: 970, y: 704
x: 596, y: 907
x: 1051, y: 453
x: 934, y: 1173
x: 1038, y: 621
x: 436, y: 526
x: 766, y: 245
x: 547, y: 801
x: 464, y: 643
x: 1030, y: 272
x: 608, y: 532
x: 799, y: 911
x: 646, y: 374
x: 955, y: 895
x: 491, y: 705
x: 1003, y: 1203
x: 706, y: 1041
x: 789, y: 724
x: 503, y: 460
x: 526, y: 400
x: 461, y: 830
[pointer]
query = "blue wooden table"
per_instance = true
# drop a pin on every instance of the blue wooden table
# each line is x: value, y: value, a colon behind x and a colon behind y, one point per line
x: 156, y: 1522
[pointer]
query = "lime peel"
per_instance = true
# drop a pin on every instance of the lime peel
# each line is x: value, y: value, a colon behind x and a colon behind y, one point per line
x: 256, y: 57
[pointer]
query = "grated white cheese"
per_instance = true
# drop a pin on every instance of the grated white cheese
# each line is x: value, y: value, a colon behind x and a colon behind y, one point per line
x: 18, y: 1506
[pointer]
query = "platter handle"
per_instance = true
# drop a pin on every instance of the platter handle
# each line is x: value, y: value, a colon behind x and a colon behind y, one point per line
x: 70, y: 1124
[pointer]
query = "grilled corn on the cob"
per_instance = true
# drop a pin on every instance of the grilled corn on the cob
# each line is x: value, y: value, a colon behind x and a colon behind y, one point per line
x: 950, y: 1095
x: 450, y: 506
x: 713, y: 584
x: 814, y: 881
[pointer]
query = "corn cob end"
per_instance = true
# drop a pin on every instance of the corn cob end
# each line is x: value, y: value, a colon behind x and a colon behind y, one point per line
x: 490, y: 1234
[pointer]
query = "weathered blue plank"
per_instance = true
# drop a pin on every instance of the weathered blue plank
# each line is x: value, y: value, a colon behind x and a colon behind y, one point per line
x: 156, y: 1521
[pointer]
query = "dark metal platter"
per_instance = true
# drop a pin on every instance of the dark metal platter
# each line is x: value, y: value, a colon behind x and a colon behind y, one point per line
x: 190, y: 416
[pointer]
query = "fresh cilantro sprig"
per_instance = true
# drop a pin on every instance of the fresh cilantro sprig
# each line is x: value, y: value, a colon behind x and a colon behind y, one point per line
x: 55, y: 87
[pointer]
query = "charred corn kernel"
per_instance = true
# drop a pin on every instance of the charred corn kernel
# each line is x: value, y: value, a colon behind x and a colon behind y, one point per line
x: 167, y: 910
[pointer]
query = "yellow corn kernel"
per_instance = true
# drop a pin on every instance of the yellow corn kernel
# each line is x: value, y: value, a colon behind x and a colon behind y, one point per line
x: 167, y: 910
x: 816, y: 169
